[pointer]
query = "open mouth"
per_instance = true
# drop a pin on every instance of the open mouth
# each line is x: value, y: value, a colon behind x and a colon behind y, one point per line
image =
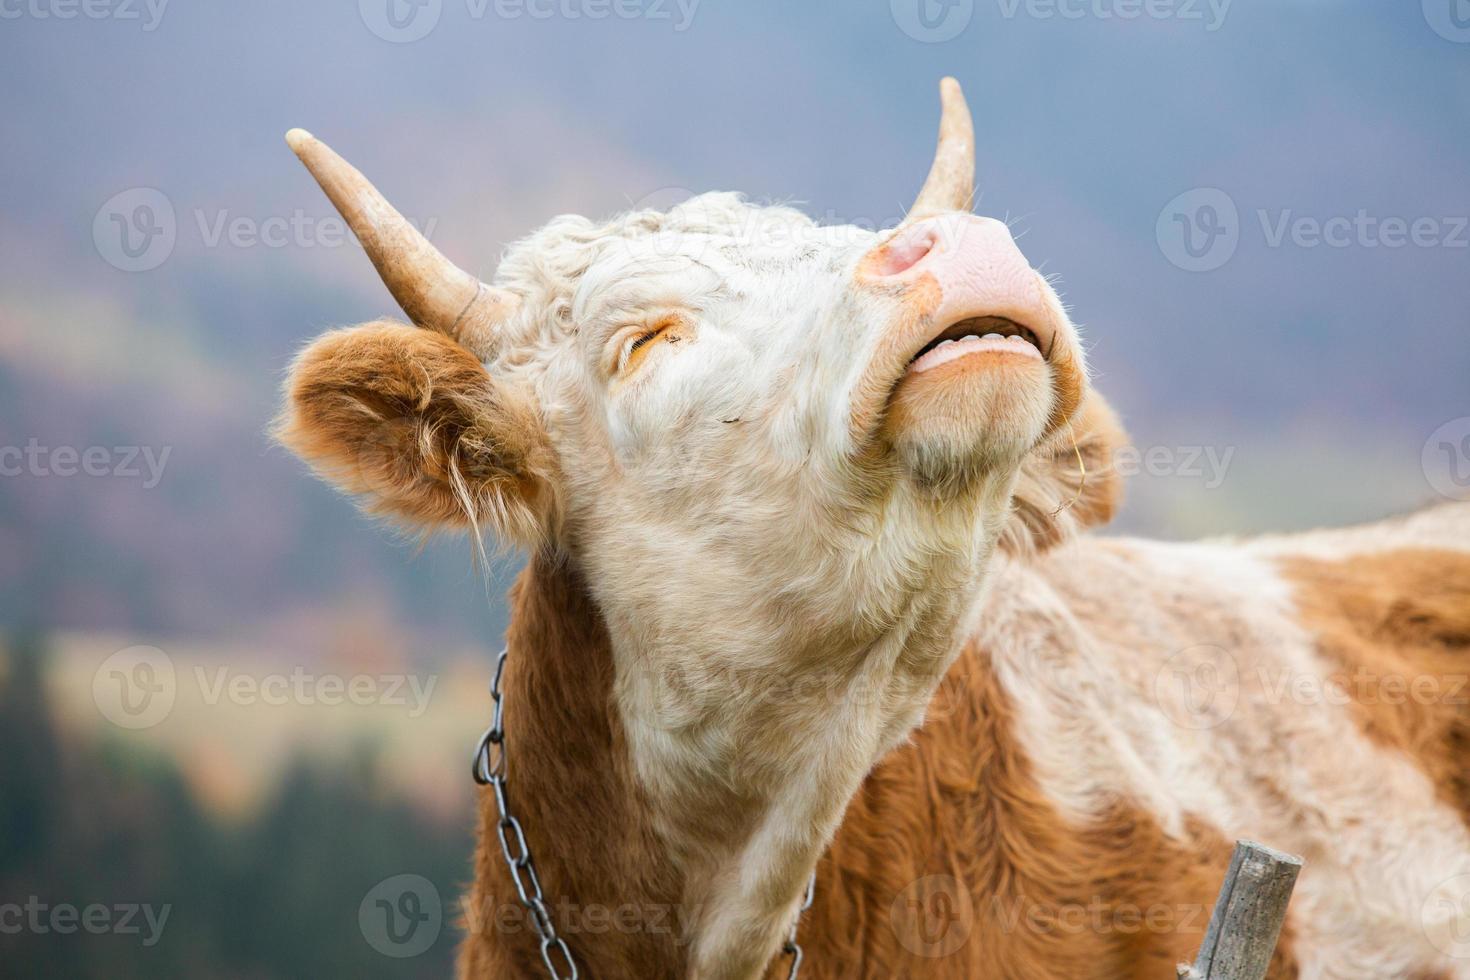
x: 978, y: 335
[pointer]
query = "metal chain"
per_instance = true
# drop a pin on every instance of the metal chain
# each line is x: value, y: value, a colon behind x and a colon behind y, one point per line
x: 490, y: 769
x: 793, y: 948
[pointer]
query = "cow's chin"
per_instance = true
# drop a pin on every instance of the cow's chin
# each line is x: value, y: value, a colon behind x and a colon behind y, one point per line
x: 969, y: 420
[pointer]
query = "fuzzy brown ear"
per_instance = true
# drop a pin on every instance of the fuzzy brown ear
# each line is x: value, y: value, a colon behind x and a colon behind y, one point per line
x: 412, y: 424
x: 1056, y: 495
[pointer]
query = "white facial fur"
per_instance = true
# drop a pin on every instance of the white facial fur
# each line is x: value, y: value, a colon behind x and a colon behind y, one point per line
x: 749, y: 530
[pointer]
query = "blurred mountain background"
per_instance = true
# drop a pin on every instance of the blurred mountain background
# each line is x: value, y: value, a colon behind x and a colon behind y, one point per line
x: 1290, y: 384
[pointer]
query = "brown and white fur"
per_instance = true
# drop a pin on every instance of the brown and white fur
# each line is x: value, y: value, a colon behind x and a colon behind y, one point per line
x: 798, y: 598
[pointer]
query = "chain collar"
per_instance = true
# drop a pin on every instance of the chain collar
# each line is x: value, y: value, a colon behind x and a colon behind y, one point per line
x: 489, y: 768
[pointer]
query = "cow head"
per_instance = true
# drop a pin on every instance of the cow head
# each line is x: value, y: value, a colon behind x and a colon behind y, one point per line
x: 717, y: 381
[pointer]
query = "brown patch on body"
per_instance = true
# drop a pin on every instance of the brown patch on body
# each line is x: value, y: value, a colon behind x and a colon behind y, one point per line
x: 952, y: 832
x: 1397, y: 626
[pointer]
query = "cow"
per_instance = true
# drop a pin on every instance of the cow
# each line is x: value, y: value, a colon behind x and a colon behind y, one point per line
x: 811, y: 599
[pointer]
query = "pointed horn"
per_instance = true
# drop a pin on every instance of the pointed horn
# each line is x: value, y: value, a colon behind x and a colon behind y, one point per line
x: 434, y: 292
x: 951, y: 183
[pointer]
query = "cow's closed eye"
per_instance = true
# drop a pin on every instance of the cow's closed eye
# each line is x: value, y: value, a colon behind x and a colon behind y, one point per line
x: 636, y: 342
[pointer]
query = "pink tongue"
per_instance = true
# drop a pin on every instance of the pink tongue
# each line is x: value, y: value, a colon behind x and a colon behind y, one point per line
x: 958, y: 349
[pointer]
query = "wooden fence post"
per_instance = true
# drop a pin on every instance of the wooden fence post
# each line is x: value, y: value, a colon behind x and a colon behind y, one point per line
x: 1248, y: 915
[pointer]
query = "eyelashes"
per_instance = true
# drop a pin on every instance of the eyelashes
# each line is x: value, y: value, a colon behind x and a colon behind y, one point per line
x: 643, y: 340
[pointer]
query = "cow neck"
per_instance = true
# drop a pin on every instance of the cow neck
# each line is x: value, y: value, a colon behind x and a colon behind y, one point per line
x: 613, y: 893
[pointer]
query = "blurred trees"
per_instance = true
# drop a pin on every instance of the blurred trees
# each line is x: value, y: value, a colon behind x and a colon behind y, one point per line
x: 277, y: 896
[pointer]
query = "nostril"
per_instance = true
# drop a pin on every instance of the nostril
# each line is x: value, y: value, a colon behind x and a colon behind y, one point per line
x: 905, y: 252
